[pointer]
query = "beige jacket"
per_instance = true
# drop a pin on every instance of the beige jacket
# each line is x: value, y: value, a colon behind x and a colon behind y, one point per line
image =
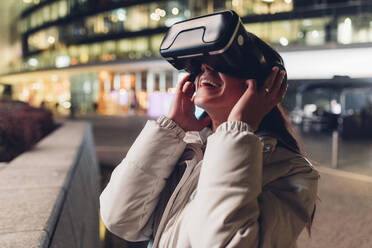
x: 242, y: 191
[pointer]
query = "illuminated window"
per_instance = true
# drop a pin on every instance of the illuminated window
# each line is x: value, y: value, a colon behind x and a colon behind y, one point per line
x: 354, y: 29
x: 291, y: 32
x: 46, y: 13
x: 54, y: 11
x: 95, y: 51
x: 108, y: 50
x: 135, y: 14
x: 62, y: 8
x: 155, y: 42
x: 43, y: 39
x: 124, y: 46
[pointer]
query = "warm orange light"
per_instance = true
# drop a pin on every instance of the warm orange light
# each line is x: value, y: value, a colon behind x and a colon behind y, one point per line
x: 74, y: 61
x: 104, y: 75
x: 107, y: 57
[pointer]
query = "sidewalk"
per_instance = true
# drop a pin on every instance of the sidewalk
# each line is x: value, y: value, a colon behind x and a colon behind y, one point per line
x: 344, y: 212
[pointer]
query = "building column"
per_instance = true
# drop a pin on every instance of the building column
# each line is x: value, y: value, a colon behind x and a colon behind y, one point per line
x: 138, y: 83
x: 150, y: 82
x: 162, y: 81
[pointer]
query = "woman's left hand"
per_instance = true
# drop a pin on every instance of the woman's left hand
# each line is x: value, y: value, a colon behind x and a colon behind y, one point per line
x: 253, y: 105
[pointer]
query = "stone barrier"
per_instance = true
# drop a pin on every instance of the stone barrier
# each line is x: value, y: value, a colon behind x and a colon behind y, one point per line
x: 49, y: 195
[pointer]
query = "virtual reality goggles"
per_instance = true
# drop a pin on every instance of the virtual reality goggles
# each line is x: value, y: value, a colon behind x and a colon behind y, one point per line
x: 219, y: 40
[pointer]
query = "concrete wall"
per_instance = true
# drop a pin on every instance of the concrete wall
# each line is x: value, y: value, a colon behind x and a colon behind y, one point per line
x: 49, y: 195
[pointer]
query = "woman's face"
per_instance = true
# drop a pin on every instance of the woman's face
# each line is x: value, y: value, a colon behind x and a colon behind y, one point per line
x: 215, y: 90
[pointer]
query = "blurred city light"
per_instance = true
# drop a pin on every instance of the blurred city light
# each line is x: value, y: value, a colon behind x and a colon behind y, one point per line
x: 284, y: 41
x: 51, y: 40
x: 175, y: 11
x: 33, y: 62
x: 62, y: 61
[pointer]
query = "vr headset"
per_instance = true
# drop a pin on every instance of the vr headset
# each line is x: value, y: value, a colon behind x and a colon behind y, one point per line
x: 221, y: 41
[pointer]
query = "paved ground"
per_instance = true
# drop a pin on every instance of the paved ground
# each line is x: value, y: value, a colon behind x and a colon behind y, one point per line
x: 343, y: 216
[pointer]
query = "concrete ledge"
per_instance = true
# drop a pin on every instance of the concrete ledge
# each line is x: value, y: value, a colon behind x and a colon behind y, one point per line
x: 49, y: 195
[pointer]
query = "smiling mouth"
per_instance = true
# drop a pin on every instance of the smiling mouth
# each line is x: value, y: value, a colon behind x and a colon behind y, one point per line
x: 210, y: 84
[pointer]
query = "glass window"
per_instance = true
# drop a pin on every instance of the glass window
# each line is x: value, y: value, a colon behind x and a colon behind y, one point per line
x: 356, y: 100
x: 54, y: 11
x: 155, y: 42
x: 84, y: 54
x: 43, y: 39
x: 136, y: 13
x: 95, y: 51
x: 354, y: 29
x: 33, y: 21
x: 141, y: 46
x: 62, y: 8
x: 292, y: 32
x: 46, y: 13
x: 108, y: 50
x: 124, y: 46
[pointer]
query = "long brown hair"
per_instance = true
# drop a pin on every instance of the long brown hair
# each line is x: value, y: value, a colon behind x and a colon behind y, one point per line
x: 276, y: 122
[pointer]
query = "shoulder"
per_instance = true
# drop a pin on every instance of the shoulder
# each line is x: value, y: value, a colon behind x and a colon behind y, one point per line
x: 281, y: 162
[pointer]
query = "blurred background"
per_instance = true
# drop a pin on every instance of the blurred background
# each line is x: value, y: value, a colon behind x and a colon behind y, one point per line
x: 98, y: 61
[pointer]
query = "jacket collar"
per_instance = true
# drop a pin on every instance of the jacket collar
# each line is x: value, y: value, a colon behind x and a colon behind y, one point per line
x: 198, y: 137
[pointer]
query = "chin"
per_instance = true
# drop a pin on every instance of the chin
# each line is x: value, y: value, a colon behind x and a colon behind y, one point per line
x: 204, y: 102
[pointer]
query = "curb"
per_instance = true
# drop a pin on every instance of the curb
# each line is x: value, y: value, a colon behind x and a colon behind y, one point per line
x: 344, y: 174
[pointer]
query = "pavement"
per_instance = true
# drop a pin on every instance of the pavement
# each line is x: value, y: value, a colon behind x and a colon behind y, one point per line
x: 343, y: 218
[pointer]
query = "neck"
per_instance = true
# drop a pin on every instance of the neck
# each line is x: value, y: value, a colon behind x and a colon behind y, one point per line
x: 218, y: 117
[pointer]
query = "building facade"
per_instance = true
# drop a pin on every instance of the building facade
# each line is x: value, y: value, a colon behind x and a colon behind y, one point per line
x: 103, y: 55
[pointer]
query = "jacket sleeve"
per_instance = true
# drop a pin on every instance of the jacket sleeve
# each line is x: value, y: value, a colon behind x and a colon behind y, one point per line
x: 128, y: 201
x: 226, y: 208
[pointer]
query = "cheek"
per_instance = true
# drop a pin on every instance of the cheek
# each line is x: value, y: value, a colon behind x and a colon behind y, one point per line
x: 233, y: 93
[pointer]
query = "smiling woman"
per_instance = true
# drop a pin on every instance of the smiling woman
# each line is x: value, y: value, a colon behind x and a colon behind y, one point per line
x: 235, y: 178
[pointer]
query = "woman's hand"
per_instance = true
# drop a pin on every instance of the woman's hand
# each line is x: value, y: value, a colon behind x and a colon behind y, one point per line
x: 182, y: 108
x: 253, y: 105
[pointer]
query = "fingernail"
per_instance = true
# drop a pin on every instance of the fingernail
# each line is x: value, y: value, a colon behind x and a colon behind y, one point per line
x: 275, y: 68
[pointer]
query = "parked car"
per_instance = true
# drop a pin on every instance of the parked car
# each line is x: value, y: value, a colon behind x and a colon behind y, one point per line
x: 341, y: 103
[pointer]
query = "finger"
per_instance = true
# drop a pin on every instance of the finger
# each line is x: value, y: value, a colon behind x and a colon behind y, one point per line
x: 278, y: 83
x: 188, y: 89
x: 252, y: 85
x: 251, y: 90
x: 282, y: 91
x: 270, y: 80
x: 181, y: 84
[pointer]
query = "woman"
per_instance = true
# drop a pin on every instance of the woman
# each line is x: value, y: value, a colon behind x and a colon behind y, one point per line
x: 240, y: 183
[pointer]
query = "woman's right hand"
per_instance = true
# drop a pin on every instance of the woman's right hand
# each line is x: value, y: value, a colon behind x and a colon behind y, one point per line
x: 182, y: 108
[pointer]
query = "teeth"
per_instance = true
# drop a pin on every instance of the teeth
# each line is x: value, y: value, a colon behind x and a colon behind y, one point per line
x: 209, y: 83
